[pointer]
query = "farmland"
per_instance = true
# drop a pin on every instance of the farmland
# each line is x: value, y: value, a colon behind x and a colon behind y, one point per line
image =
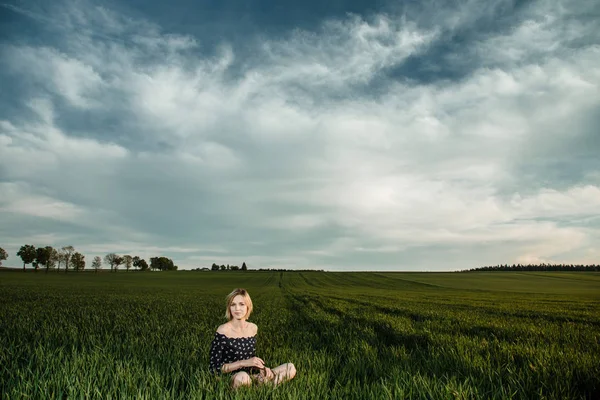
x: 350, y: 335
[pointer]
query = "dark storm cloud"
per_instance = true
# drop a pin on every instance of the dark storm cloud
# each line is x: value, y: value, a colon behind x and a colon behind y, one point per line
x: 339, y: 135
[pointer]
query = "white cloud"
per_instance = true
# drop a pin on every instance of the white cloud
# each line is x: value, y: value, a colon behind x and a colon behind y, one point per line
x: 550, y: 203
x: 16, y: 198
x: 345, y: 52
x: 297, y: 222
x: 72, y: 79
x: 550, y: 27
x: 40, y: 149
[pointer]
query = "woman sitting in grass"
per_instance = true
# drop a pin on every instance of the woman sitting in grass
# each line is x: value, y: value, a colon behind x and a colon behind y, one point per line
x: 233, y: 349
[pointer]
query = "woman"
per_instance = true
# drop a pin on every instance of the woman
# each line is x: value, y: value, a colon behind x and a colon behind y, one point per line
x: 233, y: 349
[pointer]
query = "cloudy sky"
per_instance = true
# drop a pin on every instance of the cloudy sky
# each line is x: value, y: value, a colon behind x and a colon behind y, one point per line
x: 338, y: 135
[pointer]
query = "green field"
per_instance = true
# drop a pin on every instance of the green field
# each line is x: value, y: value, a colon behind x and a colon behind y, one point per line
x: 482, y: 335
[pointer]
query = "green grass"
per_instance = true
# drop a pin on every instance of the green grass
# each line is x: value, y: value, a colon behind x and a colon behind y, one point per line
x: 488, y: 335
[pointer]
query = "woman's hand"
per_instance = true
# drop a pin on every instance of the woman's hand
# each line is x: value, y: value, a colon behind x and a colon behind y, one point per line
x: 254, y: 362
x: 267, y: 374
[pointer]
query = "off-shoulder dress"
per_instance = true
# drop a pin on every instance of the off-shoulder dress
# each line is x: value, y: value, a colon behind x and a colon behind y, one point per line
x: 225, y: 350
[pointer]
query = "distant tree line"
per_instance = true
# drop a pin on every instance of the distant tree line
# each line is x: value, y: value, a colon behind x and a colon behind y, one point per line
x: 50, y: 258
x: 223, y: 267
x: 291, y: 270
x: 538, y: 267
x: 216, y: 267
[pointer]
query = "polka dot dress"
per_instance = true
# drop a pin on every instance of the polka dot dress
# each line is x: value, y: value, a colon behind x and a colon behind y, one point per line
x: 225, y: 350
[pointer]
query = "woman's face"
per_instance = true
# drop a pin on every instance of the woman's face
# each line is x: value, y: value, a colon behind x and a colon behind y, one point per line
x: 238, y: 307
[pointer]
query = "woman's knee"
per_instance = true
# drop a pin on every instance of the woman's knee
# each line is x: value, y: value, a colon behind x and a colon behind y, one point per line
x: 241, y: 379
x: 291, y: 370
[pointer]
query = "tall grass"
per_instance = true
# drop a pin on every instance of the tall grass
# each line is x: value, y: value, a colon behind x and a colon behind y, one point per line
x: 350, y: 335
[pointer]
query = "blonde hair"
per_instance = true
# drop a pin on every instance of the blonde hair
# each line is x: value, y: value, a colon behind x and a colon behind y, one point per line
x: 247, y: 300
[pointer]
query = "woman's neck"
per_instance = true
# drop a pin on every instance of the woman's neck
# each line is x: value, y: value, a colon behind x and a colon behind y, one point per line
x: 238, y: 325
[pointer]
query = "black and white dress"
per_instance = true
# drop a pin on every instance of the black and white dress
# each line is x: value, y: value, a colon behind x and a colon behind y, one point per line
x: 225, y: 350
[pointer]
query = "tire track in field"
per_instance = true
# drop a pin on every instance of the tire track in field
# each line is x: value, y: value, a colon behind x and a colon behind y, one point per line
x: 430, y: 286
x: 593, y: 280
x: 364, y: 281
x: 444, y: 319
x: 269, y: 279
x: 524, y: 315
x: 306, y: 280
x: 350, y: 361
x: 415, y: 283
x: 383, y: 282
x: 396, y: 312
x: 339, y: 340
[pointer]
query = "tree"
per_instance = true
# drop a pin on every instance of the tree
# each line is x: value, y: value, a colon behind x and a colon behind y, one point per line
x: 67, y: 252
x: 78, y: 261
x: 214, y: 267
x: 140, y: 263
x: 223, y: 267
x: 60, y: 259
x: 244, y: 268
x: 3, y: 255
x: 162, y: 264
x: 53, y: 257
x: 42, y: 257
x: 46, y: 256
x: 113, y: 260
x: 167, y: 264
x: 118, y: 261
x: 28, y: 254
x: 128, y: 260
x: 143, y: 265
x: 97, y: 263
x: 234, y: 268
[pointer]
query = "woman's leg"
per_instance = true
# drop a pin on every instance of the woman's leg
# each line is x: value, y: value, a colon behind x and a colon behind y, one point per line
x: 284, y: 372
x: 241, y: 379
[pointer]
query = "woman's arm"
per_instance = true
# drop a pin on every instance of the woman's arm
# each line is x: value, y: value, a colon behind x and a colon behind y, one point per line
x: 232, y: 366
x: 253, y: 362
x: 216, y: 356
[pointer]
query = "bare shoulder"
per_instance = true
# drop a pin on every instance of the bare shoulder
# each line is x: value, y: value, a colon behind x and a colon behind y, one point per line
x: 223, y: 329
x: 253, y: 328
